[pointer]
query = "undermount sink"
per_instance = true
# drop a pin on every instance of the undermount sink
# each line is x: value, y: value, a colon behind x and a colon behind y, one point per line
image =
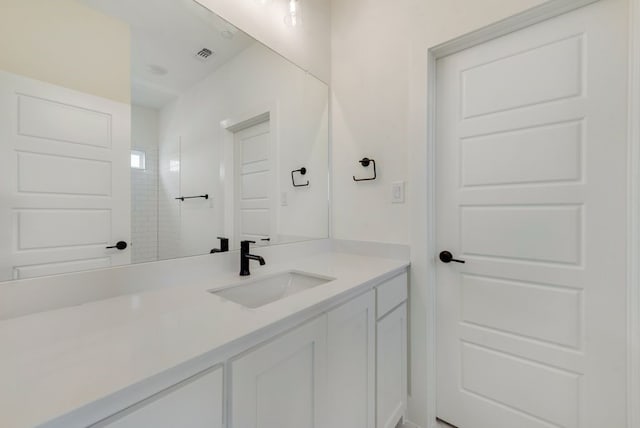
x: 261, y: 291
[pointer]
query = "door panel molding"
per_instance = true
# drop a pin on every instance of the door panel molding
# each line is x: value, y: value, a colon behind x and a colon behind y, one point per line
x: 498, y: 29
x: 508, y: 25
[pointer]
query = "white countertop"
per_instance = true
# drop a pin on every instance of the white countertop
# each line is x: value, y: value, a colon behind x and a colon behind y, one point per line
x: 52, y: 363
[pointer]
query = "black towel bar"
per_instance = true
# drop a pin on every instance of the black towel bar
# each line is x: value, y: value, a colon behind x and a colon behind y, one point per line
x: 182, y: 198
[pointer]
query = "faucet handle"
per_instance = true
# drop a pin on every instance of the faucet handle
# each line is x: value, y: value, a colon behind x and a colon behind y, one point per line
x: 244, y: 246
x: 224, y: 244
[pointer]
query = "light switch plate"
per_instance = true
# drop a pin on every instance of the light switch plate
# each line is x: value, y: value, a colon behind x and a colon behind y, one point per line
x: 397, y: 192
x: 284, y: 199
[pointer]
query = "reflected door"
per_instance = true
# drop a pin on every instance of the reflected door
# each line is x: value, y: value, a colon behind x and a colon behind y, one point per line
x: 531, y: 194
x: 64, y: 158
x: 254, y: 184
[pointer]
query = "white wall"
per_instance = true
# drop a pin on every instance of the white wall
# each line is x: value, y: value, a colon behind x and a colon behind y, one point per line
x: 66, y: 43
x: 379, y: 83
x: 307, y: 45
x: 144, y: 186
x: 254, y: 82
x: 370, y: 60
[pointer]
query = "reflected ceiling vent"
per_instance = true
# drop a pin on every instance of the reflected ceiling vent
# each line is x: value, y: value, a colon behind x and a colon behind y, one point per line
x: 204, y: 54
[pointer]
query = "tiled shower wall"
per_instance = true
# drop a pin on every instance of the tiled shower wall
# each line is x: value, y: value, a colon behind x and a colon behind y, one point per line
x: 144, y: 186
x: 169, y: 243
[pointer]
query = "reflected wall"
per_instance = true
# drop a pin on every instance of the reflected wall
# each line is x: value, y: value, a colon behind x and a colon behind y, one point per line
x: 113, y: 118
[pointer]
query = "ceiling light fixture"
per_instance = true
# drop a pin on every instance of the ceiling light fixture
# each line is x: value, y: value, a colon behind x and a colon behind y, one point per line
x: 229, y: 31
x: 157, y: 70
x: 293, y: 17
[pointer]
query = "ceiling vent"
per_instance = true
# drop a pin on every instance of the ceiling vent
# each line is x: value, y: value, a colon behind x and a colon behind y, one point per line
x: 204, y: 54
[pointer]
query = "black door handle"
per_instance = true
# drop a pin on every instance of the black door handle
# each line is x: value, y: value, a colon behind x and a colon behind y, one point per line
x: 447, y: 257
x: 121, y: 245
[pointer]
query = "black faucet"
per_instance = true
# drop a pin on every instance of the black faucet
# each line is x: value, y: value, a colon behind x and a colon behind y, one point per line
x: 245, y: 257
x: 224, y: 246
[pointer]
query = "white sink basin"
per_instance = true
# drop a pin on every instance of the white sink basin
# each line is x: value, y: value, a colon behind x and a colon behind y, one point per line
x: 259, y: 292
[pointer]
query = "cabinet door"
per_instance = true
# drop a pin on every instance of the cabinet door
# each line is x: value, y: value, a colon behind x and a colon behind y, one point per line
x: 391, y: 372
x: 351, y: 362
x: 282, y: 384
x: 194, y: 403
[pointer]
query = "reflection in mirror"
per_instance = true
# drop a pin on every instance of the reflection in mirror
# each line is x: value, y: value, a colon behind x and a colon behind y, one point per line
x: 153, y: 123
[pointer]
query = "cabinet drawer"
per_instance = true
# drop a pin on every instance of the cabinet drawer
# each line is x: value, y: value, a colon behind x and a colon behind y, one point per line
x: 390, y: 294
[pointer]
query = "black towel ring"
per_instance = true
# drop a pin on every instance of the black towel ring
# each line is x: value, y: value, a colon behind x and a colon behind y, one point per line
x: 365, y: 163
x: 302, y: 171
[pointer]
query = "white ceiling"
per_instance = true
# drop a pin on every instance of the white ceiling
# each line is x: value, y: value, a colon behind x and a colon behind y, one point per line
x: 168, y: 33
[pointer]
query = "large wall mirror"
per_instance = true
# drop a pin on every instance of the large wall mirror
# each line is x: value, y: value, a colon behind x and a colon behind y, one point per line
x: 155, y: 123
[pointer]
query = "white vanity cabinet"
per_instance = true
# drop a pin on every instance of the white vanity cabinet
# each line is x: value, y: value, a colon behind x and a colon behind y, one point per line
x: 197, y: 402
x: 351, y: 360
x: 344, y: 368
x: 282, y: 384
x: 391, y: 352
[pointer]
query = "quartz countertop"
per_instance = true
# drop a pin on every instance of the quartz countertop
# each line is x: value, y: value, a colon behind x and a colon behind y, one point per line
x: 56, y: 362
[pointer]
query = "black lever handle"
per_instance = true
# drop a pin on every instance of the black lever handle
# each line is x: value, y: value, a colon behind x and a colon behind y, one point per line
x: 447, y: 257
x: 121, y: 245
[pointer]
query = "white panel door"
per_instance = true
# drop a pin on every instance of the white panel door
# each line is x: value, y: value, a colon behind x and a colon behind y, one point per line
x: 351, y: 341
x: 531, y: 193
x: 64, y: 167
x: 255, y: 187
x: 283, y: 384
x: 194, y: 403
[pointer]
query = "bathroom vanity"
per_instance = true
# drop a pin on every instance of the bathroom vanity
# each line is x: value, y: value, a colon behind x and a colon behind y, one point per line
x: 119, y: 308
x: 331, y: 354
